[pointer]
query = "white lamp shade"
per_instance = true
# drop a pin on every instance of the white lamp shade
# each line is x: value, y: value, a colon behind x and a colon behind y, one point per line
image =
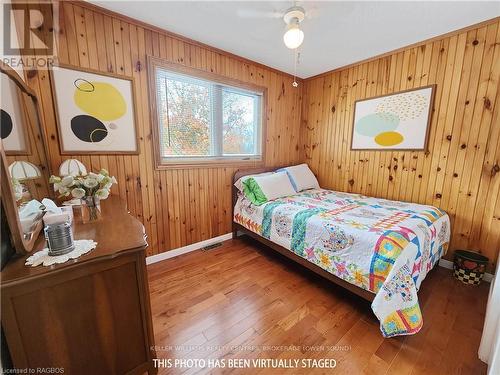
x: 23, y: 170
x: 73, y: 167
x: 293, y: 36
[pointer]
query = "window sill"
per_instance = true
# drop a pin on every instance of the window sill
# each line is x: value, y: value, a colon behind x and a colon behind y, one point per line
x: 208, y: 163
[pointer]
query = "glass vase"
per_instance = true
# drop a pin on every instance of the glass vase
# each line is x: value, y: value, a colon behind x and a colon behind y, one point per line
x: 91, y: 209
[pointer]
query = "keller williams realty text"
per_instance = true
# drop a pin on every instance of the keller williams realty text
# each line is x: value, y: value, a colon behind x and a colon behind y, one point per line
x: 245, y: 363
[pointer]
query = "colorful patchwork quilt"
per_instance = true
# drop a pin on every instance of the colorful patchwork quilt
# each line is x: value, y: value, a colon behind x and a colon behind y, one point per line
x: 386, y: 247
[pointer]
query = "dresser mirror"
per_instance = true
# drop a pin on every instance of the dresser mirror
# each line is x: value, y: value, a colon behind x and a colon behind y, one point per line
x: 24, y: 164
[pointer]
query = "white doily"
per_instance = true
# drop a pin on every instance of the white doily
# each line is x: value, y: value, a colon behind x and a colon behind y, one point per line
x: 42, y: 257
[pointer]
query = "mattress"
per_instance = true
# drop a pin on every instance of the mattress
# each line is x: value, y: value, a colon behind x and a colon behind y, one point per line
x: 383, y: 246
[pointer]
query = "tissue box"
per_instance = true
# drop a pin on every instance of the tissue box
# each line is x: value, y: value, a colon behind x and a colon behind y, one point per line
x: 51, y: 218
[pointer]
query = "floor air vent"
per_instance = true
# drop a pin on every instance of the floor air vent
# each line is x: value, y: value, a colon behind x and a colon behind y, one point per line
x: 212, y: 246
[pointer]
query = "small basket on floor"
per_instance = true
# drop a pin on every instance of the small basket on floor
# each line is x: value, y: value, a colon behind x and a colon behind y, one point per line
x: 468, y: 266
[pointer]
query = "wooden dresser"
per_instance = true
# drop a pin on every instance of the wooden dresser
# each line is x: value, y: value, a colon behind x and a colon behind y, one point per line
x: 87, y: 316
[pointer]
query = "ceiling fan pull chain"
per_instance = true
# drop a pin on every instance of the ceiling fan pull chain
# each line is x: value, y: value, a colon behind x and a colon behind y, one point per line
x: 296, y: 62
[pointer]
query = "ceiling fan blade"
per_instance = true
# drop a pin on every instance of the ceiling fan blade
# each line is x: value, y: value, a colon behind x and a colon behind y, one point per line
x: 312, y: 13
x: 249, y: 13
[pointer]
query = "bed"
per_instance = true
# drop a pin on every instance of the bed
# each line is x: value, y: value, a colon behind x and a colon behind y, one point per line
x: 379, y: 249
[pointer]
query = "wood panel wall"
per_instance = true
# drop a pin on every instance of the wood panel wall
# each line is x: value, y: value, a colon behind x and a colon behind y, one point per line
x: 460, y: 171
x: 178, y: 206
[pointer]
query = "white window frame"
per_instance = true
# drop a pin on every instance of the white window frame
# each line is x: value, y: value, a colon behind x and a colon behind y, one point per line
x: 220, y: 83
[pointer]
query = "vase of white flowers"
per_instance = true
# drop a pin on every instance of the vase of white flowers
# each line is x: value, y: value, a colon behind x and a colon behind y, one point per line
x: 91, y: 209
x: 90, y: 188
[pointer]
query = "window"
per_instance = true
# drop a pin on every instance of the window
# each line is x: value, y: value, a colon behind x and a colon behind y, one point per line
x: 203, y: 119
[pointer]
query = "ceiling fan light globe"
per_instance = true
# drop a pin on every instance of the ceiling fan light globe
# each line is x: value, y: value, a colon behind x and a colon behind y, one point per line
x: 293, y: 37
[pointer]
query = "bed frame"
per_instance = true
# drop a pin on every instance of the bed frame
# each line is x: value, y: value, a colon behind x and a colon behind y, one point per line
x: 282, y: 250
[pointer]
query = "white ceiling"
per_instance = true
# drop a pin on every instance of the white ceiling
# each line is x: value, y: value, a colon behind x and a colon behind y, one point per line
x: 336, y: 33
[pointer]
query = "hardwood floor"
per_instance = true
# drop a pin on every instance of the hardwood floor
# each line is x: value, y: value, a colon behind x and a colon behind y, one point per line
x: 242, y: 300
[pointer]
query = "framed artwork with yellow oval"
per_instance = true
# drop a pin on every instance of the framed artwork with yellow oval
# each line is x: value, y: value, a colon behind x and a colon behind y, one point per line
x: 398, y: 121
x: 95, y: 111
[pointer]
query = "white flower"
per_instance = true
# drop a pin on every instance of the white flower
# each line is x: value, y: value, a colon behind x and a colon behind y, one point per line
x: 67, y: 181
x: 78, y: 193
x: 63, y: 192
x: 102, y: 193
x: 82, y: 185
x: 105, y: 180
x: 54, y: 179
x: 90, y: 182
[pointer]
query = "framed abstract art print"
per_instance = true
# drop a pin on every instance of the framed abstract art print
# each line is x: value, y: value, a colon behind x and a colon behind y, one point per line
x: 398, y: 121
x: 95, y: 111
x: 13, y: 118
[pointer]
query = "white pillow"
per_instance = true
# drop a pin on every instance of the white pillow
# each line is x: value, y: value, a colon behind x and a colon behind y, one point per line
x: 301, y: 177
x: 241, y: 180
x: 262, y: 189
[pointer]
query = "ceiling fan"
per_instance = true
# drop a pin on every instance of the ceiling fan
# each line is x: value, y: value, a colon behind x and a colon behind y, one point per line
x: 293, y: 36
x: 252, y: 13
x: 292, y: 17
